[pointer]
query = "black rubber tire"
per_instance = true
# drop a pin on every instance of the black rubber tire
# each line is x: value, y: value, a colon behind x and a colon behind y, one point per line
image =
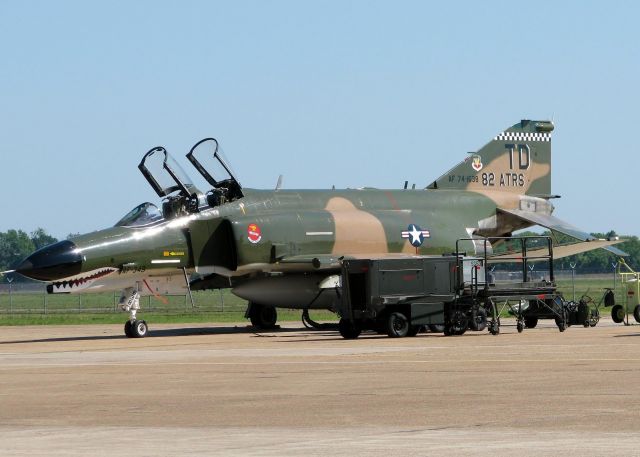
x: 128, y: 331
x: 349, y: 329
x: 530, y: 321
x: 617, y: 314
x: 636, y: 313
x: 459, y: 323
x: 520, y: 326
x: 478, y: 321
x: 139, y: 329
x: 562, y: 322
x: 609, y: 298
x: 436, y: 328
x: 414, y: 330
x: 397, y: 325
x: 262, y: 316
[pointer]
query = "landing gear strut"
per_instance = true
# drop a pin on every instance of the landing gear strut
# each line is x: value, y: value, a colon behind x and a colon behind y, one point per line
x: 130, y: 301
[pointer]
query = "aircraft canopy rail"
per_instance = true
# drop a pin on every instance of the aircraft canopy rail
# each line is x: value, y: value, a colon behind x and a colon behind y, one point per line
x: 165, y: 175
x: 217, y: 171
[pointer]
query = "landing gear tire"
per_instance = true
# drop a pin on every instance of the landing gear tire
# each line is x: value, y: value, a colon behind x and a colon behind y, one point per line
x: 520, y: 325
x: 349, y: 329
x: 397, y: 325
x: 617, y: 314
x: 530, y: 321
x: 128, y: 331
x: 436, y: 328
x: 262, y: 316
x: 636, y: 313
x: 414, y: 330
x: 139, y: 329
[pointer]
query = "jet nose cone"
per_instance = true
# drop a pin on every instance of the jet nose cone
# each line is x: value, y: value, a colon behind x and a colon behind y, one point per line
x: 53, y: 262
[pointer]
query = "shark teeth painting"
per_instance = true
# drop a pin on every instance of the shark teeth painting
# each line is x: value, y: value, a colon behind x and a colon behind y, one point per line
x: 80, y: 282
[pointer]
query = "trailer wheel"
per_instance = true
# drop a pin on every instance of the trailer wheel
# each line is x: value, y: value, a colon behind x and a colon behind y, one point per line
x: 459, y: 323
x: 478, y: 320
x: 617, y: 314
x: 636, y: 313
x: 397, y: 325
x: 349, y: 329
x: 562, y: 321
x: 530, y: 321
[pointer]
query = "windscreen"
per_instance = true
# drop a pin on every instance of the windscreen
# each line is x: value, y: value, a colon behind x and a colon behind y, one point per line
x: 144, y: 214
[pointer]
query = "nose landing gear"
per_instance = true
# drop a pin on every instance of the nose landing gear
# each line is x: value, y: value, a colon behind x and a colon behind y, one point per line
x: 130, y: 301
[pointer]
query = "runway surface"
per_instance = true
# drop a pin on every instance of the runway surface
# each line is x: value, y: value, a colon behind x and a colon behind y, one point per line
x: 225, y: 390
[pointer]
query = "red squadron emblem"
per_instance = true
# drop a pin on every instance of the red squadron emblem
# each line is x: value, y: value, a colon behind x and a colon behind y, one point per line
x: 254, y: 234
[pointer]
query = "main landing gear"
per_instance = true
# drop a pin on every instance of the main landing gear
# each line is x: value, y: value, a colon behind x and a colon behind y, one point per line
x: 262, y: 316
x: 130, y: 301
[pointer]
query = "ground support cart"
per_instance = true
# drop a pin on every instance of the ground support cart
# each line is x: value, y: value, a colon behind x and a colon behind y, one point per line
x: 450, y: 293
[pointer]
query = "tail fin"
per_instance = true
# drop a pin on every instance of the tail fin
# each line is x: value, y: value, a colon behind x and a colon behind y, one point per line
x: 517, y: 160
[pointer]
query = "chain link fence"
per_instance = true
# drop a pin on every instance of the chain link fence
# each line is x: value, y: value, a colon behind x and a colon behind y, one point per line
x: 29, y: 298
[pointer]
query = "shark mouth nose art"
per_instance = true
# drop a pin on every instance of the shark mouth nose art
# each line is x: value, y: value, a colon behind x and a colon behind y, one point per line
x: 79, y: 282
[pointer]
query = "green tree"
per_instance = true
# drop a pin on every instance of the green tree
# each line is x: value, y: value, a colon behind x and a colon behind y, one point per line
x: 41, y: 238
x: 15, y: 245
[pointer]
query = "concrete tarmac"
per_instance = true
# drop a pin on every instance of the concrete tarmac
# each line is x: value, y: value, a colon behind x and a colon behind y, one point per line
x: 225, y: 390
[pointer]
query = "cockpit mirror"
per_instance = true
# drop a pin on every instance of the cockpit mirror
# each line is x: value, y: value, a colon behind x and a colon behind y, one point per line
x: 208, y: 159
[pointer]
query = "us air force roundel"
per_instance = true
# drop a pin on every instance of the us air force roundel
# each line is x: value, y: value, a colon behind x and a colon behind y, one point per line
x: 416, y: 235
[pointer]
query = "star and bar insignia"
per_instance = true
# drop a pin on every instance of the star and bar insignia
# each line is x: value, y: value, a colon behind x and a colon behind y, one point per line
x: 415, y: 235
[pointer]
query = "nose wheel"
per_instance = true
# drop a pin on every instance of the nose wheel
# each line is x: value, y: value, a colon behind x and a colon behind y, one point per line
x: 136, y: 329
x: 130, y: 301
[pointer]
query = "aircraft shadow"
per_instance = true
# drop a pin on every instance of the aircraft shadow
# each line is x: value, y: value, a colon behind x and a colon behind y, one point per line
x: 162, y: 333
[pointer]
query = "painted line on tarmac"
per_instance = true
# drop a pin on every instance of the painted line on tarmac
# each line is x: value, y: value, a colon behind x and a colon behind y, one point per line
x: 318, y: 362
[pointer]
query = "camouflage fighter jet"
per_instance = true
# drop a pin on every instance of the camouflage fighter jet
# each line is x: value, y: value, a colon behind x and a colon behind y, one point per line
x: 283, y: 248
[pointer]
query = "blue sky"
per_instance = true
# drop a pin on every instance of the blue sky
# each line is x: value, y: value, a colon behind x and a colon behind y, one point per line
x: 326, y: 93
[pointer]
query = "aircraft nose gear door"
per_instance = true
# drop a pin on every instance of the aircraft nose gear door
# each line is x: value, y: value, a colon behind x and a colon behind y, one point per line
x: 130, y: 301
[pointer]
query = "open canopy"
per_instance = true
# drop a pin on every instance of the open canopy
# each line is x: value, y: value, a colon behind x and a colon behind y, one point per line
x: 165, y: 175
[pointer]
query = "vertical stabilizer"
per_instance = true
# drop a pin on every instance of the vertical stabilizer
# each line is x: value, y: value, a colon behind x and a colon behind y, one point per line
x: 517, y: 160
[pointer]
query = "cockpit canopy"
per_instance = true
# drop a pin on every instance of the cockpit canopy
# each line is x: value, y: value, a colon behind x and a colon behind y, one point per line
x: 181, y: 196
x: 165, y: 175
x: 208, y: 158
x: 141, y: 216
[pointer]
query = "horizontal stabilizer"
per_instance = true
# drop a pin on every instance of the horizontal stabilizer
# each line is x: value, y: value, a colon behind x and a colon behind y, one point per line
x: 561, y: 251
x: 557, y: 225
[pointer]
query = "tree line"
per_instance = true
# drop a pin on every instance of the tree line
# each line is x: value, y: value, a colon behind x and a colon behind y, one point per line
x: 15, y: 245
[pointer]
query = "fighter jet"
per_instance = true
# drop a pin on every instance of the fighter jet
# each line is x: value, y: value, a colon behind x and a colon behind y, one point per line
x: 284, y: 248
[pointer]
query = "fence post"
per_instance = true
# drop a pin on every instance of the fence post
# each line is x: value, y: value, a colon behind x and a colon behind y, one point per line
x: 221, y: 299
x: 10, y: 280
x: 573, y: 278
